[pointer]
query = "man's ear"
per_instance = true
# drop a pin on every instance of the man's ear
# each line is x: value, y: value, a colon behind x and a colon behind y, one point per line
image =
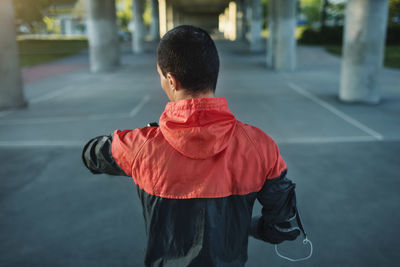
x: 173, y: 82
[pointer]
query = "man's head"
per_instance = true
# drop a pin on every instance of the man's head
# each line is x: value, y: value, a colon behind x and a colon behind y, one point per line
x: 187, y: 60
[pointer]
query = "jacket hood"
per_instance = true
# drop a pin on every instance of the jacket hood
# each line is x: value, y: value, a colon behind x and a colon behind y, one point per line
x: 198, y: 128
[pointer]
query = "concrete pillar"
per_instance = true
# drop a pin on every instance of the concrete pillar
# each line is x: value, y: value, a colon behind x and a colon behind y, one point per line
x: 162, y: 4
x: 256, y: 26
x: 227, y: 23
x: 138, y: 32
x: 11, y: 92
x: 170, y: 16
x: 246, y: 13
x: 281, y: 51
x: 103, y: 35
x: 69, y: 26
x: 155, y: 21
x: 221, y: 23
x: 363, y: 50
x: 271, y: 41
x: 239, y: 19
x: 232, y: 21
x: 62, y: 23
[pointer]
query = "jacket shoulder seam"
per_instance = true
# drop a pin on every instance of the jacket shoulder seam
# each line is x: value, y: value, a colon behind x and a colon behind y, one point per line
x: 254, y: 145
x: 140, y: 149
x: 156, y: 182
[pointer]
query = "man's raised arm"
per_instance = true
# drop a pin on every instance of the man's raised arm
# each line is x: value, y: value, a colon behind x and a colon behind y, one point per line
x: 97, y: 156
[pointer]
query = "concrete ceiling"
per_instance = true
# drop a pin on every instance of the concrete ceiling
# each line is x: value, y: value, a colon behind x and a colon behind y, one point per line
x: 200, y: 6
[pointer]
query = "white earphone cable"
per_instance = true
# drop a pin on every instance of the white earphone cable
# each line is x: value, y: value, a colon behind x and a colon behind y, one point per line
x: 305, y: 241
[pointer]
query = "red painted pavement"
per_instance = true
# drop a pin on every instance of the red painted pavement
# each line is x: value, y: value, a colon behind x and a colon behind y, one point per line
x: 40, y: 72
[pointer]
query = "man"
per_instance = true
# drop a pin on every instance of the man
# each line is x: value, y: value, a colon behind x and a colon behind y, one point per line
x: 199, y: 172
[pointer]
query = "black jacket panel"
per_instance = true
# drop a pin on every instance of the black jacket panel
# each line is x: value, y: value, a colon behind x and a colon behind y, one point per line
x: 197, y: 232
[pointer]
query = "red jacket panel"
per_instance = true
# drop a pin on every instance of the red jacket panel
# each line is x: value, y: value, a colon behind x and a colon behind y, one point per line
x: 199, y: 151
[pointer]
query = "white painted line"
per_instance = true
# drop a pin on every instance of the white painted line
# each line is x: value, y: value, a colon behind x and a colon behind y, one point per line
x: 290, y: 141
x: 335, y: 111
x: 327, y: 140
x: 123, y: 115
x: 30, y: 121
x: 107, y: 116
x: 139, y: 106
x: 300, y: 140
x: 51, y: 95
x: 5, y: 113
x: 39, y: 143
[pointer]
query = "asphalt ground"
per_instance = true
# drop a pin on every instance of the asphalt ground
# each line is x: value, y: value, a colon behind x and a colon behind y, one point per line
x: 344, y: 159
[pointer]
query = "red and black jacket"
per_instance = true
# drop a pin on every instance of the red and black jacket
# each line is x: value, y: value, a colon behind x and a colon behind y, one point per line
x: 198, y: 175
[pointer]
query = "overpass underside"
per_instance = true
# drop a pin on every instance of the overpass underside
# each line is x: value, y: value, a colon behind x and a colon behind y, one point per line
x: 203, y: 13
x: 231, y: 19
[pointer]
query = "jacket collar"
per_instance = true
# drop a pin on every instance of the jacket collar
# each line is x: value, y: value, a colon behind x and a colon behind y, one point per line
x: 198, y: 128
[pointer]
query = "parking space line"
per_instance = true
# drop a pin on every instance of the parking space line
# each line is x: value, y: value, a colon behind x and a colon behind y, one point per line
x: 61, y: 119
x: 139, y: 106
x: 51, y: 95
x: 5, y: 112
x: 335, y: 111
x: 289, y: 141
x: 326, y: 140
x: 40, y: 143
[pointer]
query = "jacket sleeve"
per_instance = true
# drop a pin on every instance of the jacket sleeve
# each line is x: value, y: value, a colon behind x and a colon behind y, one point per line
x: 278, y: 200
x: 97, y: 156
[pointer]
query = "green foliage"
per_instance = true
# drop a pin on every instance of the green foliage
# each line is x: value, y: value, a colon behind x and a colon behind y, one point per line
x: 393, y: 34
x: 391, y: 58
x: 53, y: 37
x: 39, y: 51
x: 265, y: 5
x: 147, y: 13
x: 310, y: 36
x: 51, y: 26
x: 334, y: 35
x: 30, y: 12
x: 327, y: 35
x: 394, y: 11
x: 334, y: 49
x: 336, y: 11
x: 124, y: 13
x: 311, y: 10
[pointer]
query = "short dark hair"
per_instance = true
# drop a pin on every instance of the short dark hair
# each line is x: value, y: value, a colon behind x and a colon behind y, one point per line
x: 190, y: 55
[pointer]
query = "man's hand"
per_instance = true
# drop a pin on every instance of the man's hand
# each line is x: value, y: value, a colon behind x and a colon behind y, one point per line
x: 274, y: 234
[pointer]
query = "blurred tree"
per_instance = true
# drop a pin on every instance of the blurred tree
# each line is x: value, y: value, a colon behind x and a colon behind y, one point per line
x: 312, y: 11
x: 337, y: 12
x: 124, y: 13
x: 324, y: 8
x: 265, y: 5
x: 394, y: 12
x: 319, y: 12
x: 79, y: 9
x: 147, y: 13
x: 32, y: 11
x: 51, y: 25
